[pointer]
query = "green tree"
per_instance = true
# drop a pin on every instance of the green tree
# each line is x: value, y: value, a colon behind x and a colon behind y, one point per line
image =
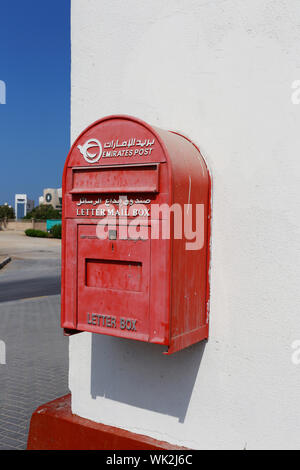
x: 56, y: 231
x: 44, y: 211
x: 6, y: 211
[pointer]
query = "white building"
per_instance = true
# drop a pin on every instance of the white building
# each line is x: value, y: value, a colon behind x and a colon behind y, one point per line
x: 52, y: 197
x: 23, y: 205
x: 224, y: 74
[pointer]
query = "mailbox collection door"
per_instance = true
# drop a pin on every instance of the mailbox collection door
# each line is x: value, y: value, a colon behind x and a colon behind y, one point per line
x: 113, y: 283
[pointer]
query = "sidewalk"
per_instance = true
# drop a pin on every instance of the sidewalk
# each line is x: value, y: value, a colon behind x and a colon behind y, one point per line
x: 36, y: 369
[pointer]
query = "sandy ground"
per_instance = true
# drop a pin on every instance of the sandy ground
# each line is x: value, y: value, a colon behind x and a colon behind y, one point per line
x: 18, y: 245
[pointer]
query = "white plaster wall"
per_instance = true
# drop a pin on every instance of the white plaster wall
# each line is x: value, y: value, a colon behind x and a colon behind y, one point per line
x: 220, y: 72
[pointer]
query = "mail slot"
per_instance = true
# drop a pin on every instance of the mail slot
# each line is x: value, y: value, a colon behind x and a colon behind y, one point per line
x: 136, y: 235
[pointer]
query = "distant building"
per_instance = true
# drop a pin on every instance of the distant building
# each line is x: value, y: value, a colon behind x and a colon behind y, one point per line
x: 23, y: 205
x: 52, y: 197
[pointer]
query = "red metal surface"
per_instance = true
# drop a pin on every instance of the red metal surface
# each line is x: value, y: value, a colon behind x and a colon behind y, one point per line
x: 151, y: 290
x: 54, y: 427
x: 113, y: 178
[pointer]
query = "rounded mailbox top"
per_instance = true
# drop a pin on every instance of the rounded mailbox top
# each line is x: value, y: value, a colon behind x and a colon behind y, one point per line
x: 116, y: 140
x: 121, y: 140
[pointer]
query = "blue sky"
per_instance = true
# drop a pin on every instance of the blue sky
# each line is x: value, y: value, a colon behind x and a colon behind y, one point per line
x: 35, y: 121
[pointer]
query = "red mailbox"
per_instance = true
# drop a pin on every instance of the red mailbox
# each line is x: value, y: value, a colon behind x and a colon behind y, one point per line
x: 136, y: 231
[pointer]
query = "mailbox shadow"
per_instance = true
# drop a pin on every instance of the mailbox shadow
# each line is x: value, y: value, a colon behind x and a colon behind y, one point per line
x: 139, y: 374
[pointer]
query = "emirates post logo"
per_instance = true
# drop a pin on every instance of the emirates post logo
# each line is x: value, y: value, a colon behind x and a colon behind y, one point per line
x: 88, y: 154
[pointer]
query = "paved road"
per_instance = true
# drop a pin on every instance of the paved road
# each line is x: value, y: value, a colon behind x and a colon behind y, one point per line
x: 36, y: 369
x: 38, y: 287
x: 34, y: 270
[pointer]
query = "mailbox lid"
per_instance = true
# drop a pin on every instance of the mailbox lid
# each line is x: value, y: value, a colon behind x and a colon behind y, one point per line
x: 133, y: 178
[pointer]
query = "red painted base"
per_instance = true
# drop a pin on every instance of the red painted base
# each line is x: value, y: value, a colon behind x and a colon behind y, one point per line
x: 54, y: 427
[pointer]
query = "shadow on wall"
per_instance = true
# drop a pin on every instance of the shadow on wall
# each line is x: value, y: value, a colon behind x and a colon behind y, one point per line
x: 139, y: 374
